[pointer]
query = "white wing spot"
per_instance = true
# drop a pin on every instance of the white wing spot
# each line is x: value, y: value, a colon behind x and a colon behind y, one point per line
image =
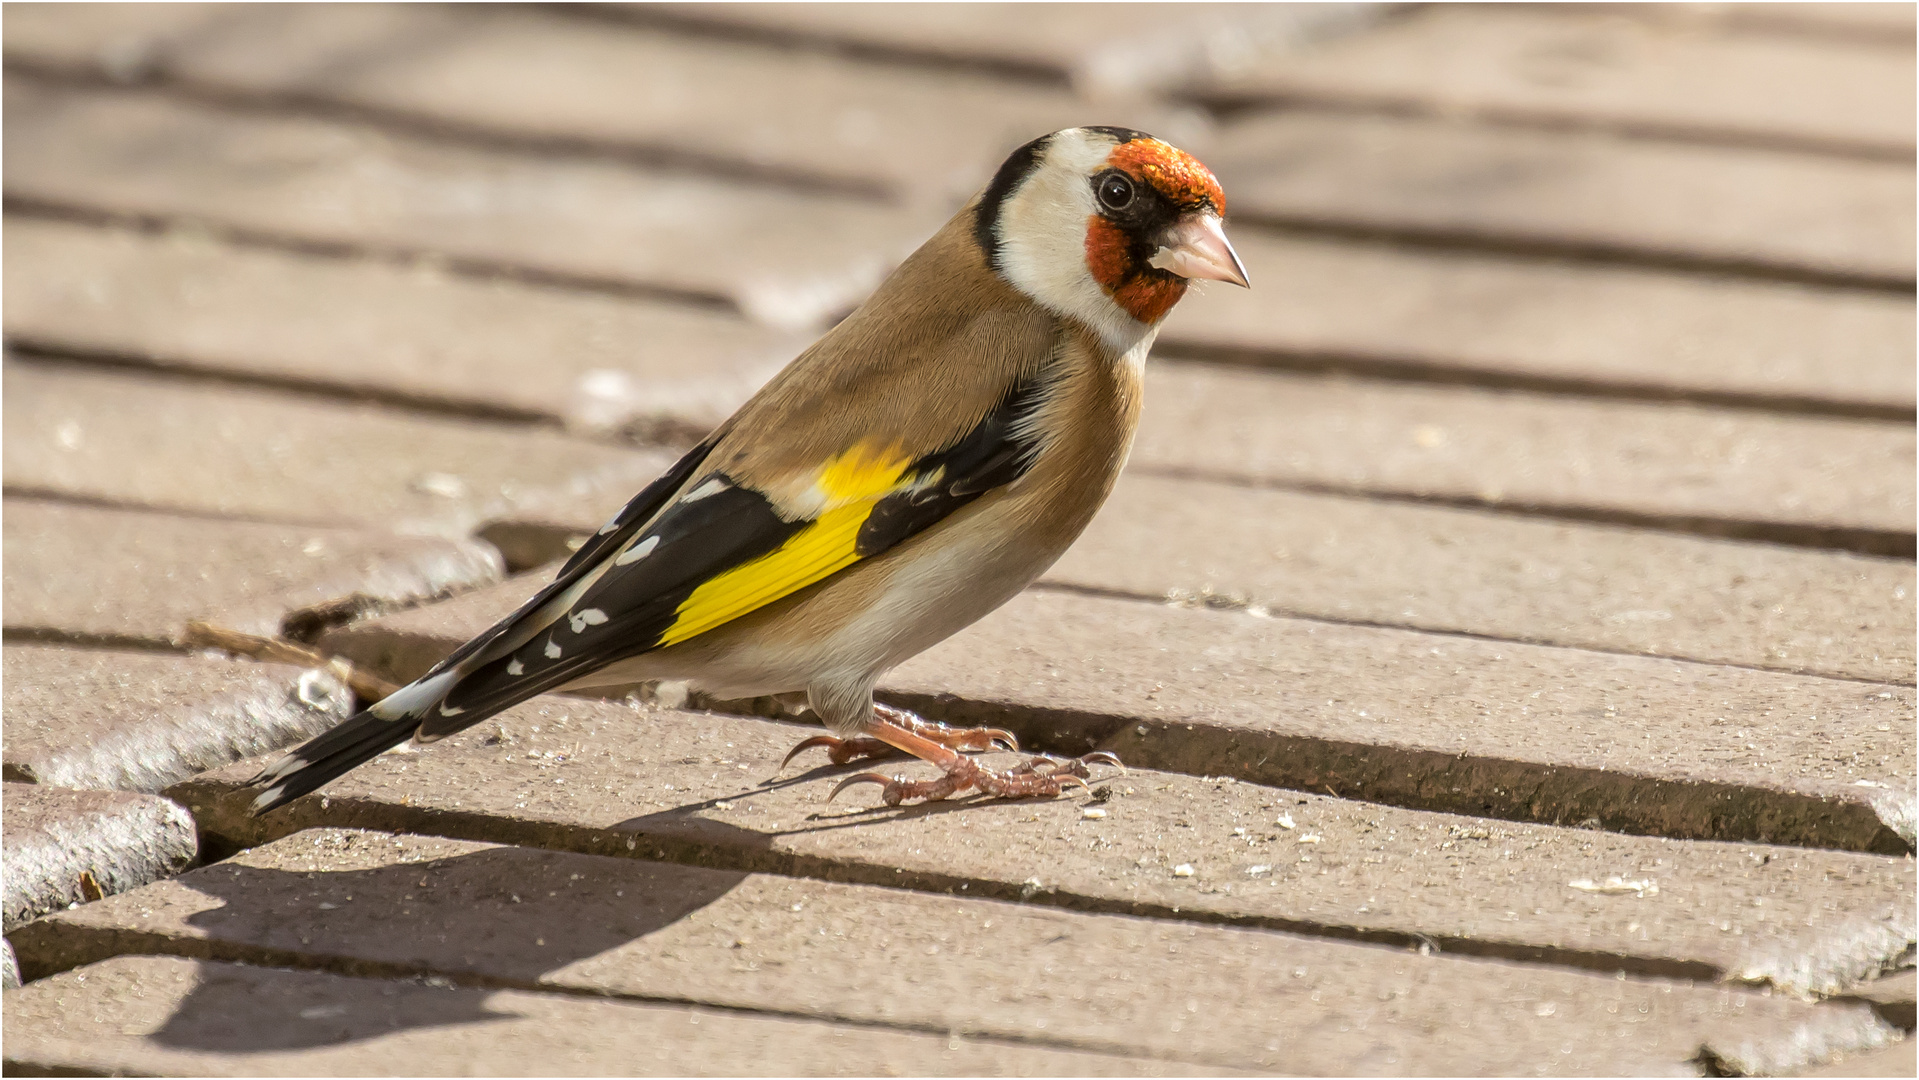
x: 638, y: 551
x: 582, y: 619
x: 612, y: 525
x: 444, y: 711
x: 552, y: 650
x: 711, y: 487
x: 514, y: 667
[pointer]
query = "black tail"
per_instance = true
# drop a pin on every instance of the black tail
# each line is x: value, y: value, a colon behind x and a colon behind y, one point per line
x: 329, y: 755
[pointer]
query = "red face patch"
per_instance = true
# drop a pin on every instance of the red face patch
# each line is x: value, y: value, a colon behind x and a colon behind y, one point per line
x: 1173, y: 172
x: 1112, y: 256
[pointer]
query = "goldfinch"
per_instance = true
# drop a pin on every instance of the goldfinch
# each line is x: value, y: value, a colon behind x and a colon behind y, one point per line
x: 915, y: 468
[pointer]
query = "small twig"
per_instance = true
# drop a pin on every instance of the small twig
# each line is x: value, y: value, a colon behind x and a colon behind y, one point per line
x: 367, y: 687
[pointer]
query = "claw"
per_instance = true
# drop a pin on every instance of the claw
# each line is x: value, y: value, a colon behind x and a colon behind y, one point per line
x: 817, y: 740
x: 861, y: 778
x: 1106, y: 756
x: 1001, y: 735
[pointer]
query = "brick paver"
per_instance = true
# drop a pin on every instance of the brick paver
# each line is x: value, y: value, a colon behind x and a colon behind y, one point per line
x: 1128, y: 51
x: 1589, y: 328
x: 1452, y: 570
x: 1344, y: 868
x: 400, y: 333
x: 1447, y: 722
x: 1506, y: 615
x: 917, y: 134
x: 417, y: 333
x: 1824, y: 217
x: 785, y: 257
x: 139, y: 440
x: 91, y: 718
x: 1601, y: 69
x: 148, y: 1014
x: 1627, y: 460
x: 1205, y: 995
x: 91, y: 574
x: 1895, y: 1060
x: 68, y: 847
x: 1725, y: 469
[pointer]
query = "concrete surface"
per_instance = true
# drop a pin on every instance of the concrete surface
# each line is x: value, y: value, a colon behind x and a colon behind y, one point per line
x: 1800, y: 918
x: 1513, y: 591
x: 786, y: 258
x: 1452, y: 570
x: 1203, y: 995
x: 548, y: 77
x: 136, y: 1014
x: 1824, y: 218
x: 1586, y: 327
x: 137, y: 721
x: 68, y: 847
x: 1604, y: 460
x: 1598, y: 69
x: 412, y: 333
x: 90, y: 574
x: 1641, y: 744
x: 1895, y: 1060
x: 129, y: 440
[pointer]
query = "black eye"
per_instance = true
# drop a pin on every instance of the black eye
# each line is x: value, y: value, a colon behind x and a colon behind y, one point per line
x: 1115, y: 191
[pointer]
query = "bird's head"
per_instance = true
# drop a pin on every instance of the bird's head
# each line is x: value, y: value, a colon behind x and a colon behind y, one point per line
x: 1106, y: 225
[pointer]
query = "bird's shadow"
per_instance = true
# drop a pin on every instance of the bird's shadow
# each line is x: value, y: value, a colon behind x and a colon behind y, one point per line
x: 502, y: 916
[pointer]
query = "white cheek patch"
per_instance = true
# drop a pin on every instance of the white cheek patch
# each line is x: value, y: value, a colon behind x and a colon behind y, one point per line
x: 1042, y: 236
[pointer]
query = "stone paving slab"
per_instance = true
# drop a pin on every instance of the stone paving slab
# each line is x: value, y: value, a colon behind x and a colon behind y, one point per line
x: 68, y: 847
x: 1640, y: 744
x: 419, y: 334
x: 784, y: 257
x: 1718, y: 207
x: 1895, y: 1060
x: 407, y: 333
x: 106, y: 576
x: 1347, y: 869
x: 1729, y: 468
x: 1503, y: 576
x: 1121, y: 54
x: 1802, y: 478
x: 1202, y: 994
x: 1644, y: 76
x: 917, y: 133
x: 1452, y: 570
x: 1575, y: 327
x: 89, y: 718
x: 134, y: 439
x: 1889, y: 24
x: 1893, y: 995
x: 166, y: 1016
x: 1724, y: 468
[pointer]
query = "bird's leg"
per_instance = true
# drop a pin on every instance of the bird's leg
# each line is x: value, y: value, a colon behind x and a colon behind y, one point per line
x: 840, y: 751
x: 961, y: 773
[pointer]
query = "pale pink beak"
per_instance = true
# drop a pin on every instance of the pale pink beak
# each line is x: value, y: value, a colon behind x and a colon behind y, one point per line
x: 1200, y: 250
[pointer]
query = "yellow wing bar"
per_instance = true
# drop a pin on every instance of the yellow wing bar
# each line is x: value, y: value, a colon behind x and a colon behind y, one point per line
x: 853, y: 484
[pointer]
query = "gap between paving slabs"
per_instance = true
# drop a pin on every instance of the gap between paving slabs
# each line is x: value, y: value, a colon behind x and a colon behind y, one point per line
x: 612, y: 779
x: 482, y: 915
x: 1641, y: 745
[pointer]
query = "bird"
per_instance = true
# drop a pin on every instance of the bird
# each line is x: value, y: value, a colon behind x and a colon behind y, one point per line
x: 915, y: 468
